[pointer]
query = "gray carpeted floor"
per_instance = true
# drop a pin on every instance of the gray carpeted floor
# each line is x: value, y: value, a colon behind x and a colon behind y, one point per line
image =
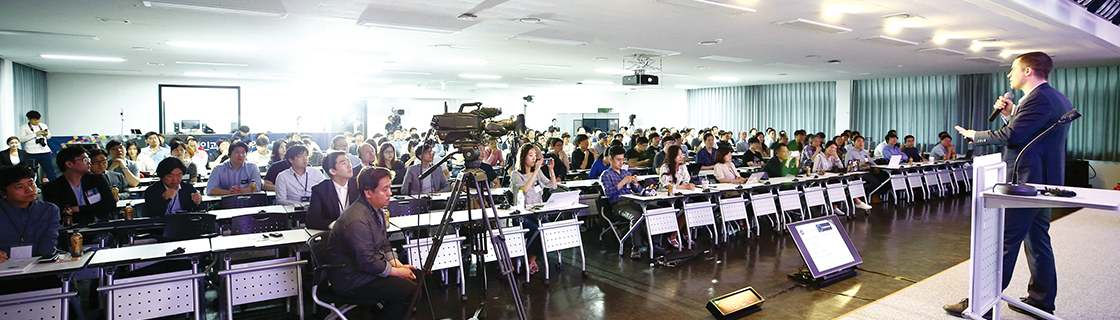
x: 1087, y: 252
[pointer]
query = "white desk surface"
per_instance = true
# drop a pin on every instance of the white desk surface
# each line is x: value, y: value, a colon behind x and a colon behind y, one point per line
x: 125, y: 202
x: 1103, y: 199
x: 54, y: 267
x: 461, y: 216
x: 257, y: 240
x: 155, y: 251
x: 237, y: 212
x: 141, y: 189
x: 587, y: 183
x: 919, y: 165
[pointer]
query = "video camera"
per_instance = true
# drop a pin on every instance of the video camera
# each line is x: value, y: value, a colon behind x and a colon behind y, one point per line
x: 468, y: 130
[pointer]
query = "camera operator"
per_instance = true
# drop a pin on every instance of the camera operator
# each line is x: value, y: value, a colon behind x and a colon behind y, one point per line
x: 34, y: 136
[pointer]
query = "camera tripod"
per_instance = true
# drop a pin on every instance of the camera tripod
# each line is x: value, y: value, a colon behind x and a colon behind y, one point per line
x: 472, y: 176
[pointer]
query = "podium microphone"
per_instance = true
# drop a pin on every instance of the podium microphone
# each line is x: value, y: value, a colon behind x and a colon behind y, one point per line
x: 1018, y: 188
x: 1010, y: 96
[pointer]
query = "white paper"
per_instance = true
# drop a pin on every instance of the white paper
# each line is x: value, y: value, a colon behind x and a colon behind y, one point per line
x: 20, y: 252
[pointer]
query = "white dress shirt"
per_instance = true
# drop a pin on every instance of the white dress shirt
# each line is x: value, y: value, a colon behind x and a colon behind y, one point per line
x: 292, y: 188
x: 341, y: 190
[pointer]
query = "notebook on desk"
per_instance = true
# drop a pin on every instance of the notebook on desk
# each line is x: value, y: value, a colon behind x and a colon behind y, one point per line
x: 13, y: 266
x: 895, y: 160
x: 757, y: 176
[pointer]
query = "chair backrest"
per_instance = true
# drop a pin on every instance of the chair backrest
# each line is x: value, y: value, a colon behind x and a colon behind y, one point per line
x: 186, y: 226
x: 244, y: 200
x: 763, y: 204
x: 318, y: 247
x: 260, y: 222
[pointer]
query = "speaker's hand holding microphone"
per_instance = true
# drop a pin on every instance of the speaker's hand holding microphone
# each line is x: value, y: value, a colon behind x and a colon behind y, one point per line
x: 1003, y: 105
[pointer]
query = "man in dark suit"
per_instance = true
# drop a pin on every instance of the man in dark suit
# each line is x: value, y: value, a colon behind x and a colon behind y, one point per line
x: 171, y: 194
x: 1044, y: 163
x: 87, y: 196
x: 330, y: 197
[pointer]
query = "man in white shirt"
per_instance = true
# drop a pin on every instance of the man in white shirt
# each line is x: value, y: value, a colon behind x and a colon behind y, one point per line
x: 154, y: 150
x: 34, y: 136
x: 339, y: 143
x: 293, y: 185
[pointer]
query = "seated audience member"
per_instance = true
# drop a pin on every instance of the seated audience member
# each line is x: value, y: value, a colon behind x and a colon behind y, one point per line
x: 725, y: 168
x: 782, y: 138
x: 279, y: 147
x: 616, y: 183
x: 491, y: 154
x: 659, y: 158
x: 841, y: 146
x: 530, y: 179
x: 601, y: 164
x: 99, y: 164
x: 435, y: 182
x: 339, y: 143
x: 754, y: 154
x: 86, y: 196
x: 782, y: 164
x: 278, y: 166
x: 828, y: 160
x: 944, y: 150
x: 583, y: 156
x: 891, y: 149
x: 179, y: 151
x: 242, y: 134
x: 171, y: 194
x: 261, y: 156
x: 674, y: 173
x: 816, y: 145
x: 14, y: 155
x: 568, y: 146
x: 878, y: 152
x: 293, y: 185
x: 636, y: 156
x: 858, y: 155
x: 367, y: 156
x: 601, y: 143
x: 358, y: 139
x: 31, y: 222
x: 679, y: 140
x: 910, y: 150
x: 329, y: 198
x: 155, y: 148
x: 763, y: 148
x: 559, y: 158
x: 798, y: 142
x: 198, y: 154
x: 359, y: 242
x: 144, y: 163
x: 725, y: 140
x: 119, y: 162
x: 706, y: 156
x: 234, y: 176
x: 387, y: 158
x: 221, y: 156
x: 742, y: 145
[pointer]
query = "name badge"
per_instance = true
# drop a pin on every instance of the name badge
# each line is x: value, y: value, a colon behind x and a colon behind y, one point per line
x: 538, y: 189
x: 245, y: 181
x: 93, y: 196
x: 305, y: 199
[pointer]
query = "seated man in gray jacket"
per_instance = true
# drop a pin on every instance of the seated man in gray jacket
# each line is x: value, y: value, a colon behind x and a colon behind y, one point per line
x: 435, y: 182
x: 360, y: 241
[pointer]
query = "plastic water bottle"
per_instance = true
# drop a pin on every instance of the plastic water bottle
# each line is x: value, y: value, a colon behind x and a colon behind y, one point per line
x: 520, y: 199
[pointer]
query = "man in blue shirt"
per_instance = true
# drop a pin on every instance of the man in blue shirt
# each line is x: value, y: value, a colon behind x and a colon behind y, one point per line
x: 706, y: 155
x: 616, y: 183
x: 891, y: 149
x: 235, y: 176
x: 154, y: 149
x: 26, y: 222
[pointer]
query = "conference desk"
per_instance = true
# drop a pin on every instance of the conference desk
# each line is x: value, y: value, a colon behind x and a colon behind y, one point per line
x: 47, y: 303
x: 176, y: 292
x: 226, y: 214
x: 257, y: 281
x: 201, y: 186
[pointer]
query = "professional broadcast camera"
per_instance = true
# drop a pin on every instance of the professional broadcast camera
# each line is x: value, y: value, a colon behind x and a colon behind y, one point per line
x: 469, y: 130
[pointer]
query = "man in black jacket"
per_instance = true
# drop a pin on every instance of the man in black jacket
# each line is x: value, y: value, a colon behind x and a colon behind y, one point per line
x: 172, y: 194
x: 1040, y: 107
x: 87, y: 196
x: 332, y: 196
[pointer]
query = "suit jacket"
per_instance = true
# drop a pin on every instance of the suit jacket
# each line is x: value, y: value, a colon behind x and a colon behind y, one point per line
x: 411, y: 183
x: 156, y: 205
x: 360, y: 242
x: 59, y: 193
x: 6, y: 160
x: 324, y: 207
x: 1045, y: 161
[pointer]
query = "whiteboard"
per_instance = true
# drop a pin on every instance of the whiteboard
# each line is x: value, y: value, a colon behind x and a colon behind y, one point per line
x: 219, y: 107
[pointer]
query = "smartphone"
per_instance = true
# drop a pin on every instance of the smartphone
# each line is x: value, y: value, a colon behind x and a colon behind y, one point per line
x: 547, y: 161
x: 795, y: 154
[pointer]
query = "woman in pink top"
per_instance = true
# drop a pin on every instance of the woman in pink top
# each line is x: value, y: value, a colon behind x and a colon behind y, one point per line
x: 492, y: 155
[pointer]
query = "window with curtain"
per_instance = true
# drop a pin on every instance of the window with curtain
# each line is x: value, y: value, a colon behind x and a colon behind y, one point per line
x: 809, y: 106
x: 30, y: 92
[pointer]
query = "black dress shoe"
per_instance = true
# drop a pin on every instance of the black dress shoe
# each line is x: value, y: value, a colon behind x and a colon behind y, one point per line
x: 1024, y: 311
x: 957, y: 309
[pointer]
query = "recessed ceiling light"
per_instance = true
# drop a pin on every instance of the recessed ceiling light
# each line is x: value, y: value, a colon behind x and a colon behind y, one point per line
x: 614, y: 71
x: 833, y: 11
x: 212, y: 46
x: 529, y: 20
x: 462, y: 61
x: 84, y: 58
x: 710, y: 42
x: 155, y: 64
x: 703, y: 67
x: 214, y: 8
x: 813, y: 25
x: 786, y: 65
x: 117, y: 21
x: 783, y: 74
x: 408, y: 72
x: 553, y: 80
x: 493, y: 85
x: 908, y: 23
x: 479, y: 76
x: 538, y: 65
x: 532, y: 39
x: 467, y: 17
x: 140, y: 48
x: 223, y: 64
x: 896, y: 16
x: 650, y: 50
x: 711, y: 6
x: 723, y: 79
x: 685, y: 86
x: 833, y: 61
x: 596, y: 82
x: 210, y: 74
x: 11, y: 32
x: 599, y: 58
x: 726, y: 59
x: 407, y: 27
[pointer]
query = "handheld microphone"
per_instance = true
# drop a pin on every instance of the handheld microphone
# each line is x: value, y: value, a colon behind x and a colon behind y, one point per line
x: 1010, y: 96
x: 1018, y: 188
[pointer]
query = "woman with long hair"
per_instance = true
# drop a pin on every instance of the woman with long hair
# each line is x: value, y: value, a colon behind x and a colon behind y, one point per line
x: 387, y: 158
x: 279, y: 147
x: 530, y: 179
x: 143, y: 161
x: 725, y: 168
x: 674, y: 173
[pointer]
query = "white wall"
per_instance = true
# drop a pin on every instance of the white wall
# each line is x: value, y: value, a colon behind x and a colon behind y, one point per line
x: 661, y: 108
x: 81, y: 104
x: 1108, y: 174
x: 8, y: 118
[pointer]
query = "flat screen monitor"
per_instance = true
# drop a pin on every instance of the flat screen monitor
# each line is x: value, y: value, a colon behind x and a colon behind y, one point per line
x: 825, y: 245
x: 190, y: 125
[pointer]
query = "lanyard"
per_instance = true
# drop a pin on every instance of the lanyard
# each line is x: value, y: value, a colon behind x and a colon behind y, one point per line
x: 306, y: 176
x: 26, y: 224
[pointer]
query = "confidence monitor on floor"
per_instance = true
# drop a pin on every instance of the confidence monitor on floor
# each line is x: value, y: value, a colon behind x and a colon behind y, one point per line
x: 827, y: 250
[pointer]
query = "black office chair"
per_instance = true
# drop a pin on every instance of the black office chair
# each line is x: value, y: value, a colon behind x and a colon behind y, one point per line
x: 261, y: 222
x: 187, y: 226
x: 321, y: 291
x: 244, y: 200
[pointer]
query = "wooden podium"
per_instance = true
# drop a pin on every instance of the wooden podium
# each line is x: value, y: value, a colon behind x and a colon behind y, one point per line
x: 985, y: 287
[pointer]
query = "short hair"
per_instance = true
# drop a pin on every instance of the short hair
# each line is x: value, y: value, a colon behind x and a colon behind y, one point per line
x: 1037, y: 61
x: 907, y: 137
x: 294, y: 152
x: 752, y: 140
x: 942, y: 134
x: 707, y: 135
x: 97, y: 152
x: 67, y: 154
x: 722, y: 152
x: 330, y: 159
x: 858, y: 138
x: 779, y: 146
x: 421, y: 149
x: 13, y: 174
x: 653, y: 135
x: 238, y: 144
x: 616, y: 143
x: 642, y: 140
x: 149, y: 134
x: 170, y: 164
x: 244, y: 129
x: 336, y: 138
x: 32, y: 115
x: 175, y: 144
x: 553, y: 141
x: 112, y: 144
x: 889, y: 136
x: 262, y: 141
x: 370, y: 178
x: 769, y: 129
x: 829, y: 144
x: 946, y: 137
x: 799, y: 132
x: 580, y: 138
x: 614, y: 151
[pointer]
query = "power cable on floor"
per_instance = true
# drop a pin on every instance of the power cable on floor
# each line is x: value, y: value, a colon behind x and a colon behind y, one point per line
x: 781, y: 292
x: 887, y: 275
x: 847, y: 295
